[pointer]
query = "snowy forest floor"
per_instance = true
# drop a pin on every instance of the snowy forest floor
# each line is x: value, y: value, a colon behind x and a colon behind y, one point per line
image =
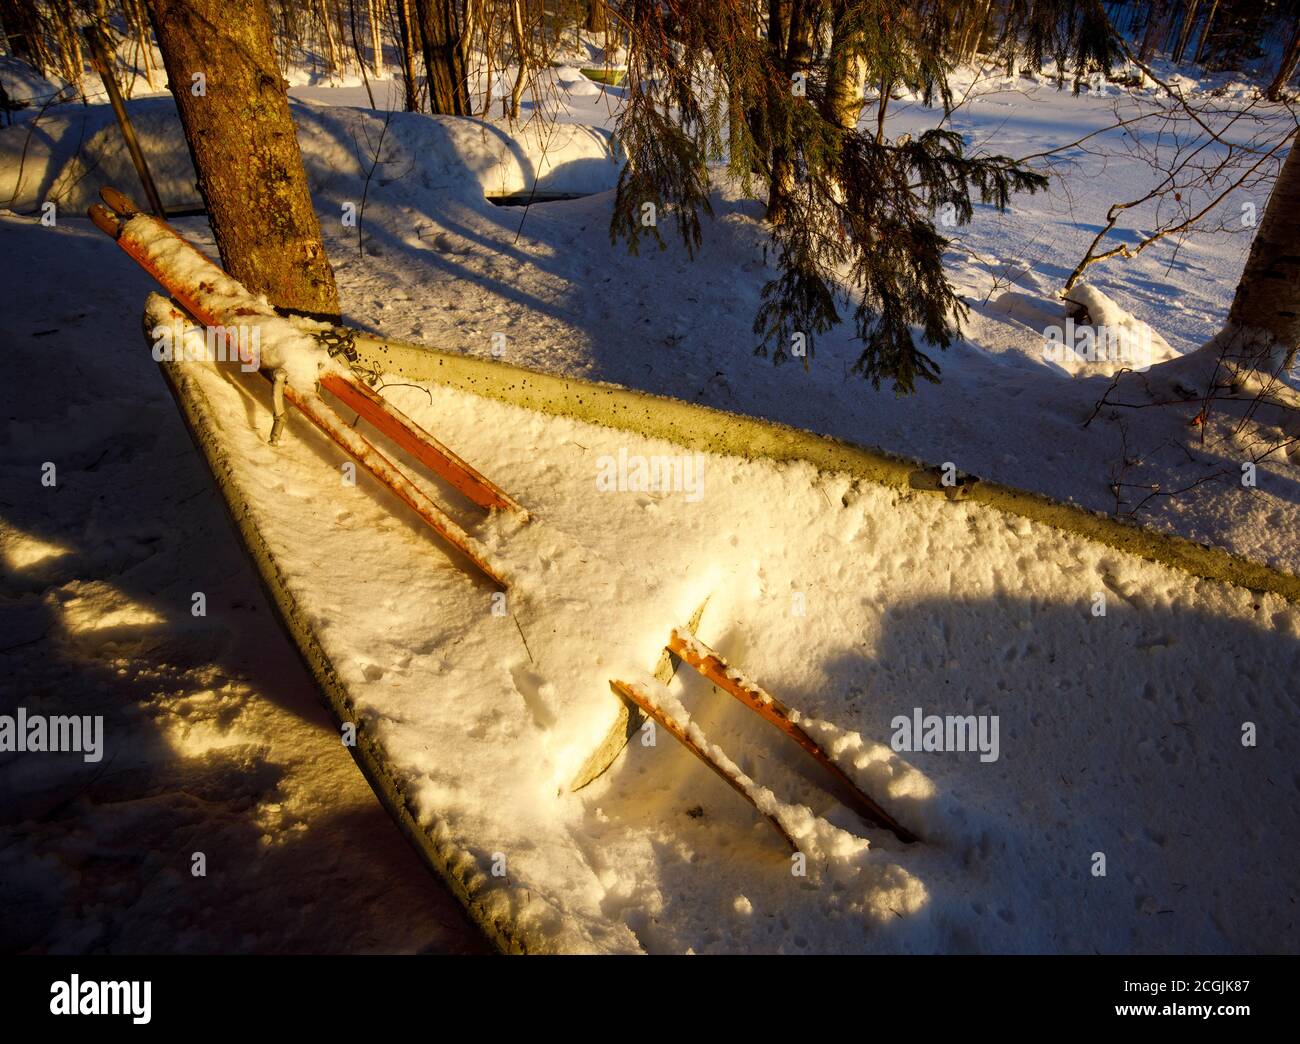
x: 230, y: 750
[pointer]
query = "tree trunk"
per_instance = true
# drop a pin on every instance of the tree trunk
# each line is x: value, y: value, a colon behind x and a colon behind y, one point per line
x: 974, y: 23
x: 140, y: 18
x: 1205, y: 33
x: 74, y: 62
x: 406, y: 30
x: 1266, y: 308
x: 541, y: 30
x: 15, y: 22
x: 341, y: 31
x: 1156, y: 23
x: 845, y: 71
x: 489, y: 54
x: 521, y: 55
x: 356, y: 49
x: 596, y: 21
x: 241, y: 138
x: 785, y: 32
x: 468, y: 34
x: 376, y: 38
x: 1290, y: 58
x: 1185, y: 30
x: 46, y: 58
x: 330, y: 42
x: 444, y: 65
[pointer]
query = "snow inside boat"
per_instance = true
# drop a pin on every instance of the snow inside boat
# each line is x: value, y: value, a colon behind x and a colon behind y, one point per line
x: 864, y: 606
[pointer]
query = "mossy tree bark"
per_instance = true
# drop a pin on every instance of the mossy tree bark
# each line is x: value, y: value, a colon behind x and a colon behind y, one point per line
x: 241, y: 138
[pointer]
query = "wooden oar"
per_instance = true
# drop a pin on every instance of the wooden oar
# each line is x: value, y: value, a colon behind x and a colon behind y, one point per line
x: 189, y: 294
x: 634, y: 692
x: 713, y: 667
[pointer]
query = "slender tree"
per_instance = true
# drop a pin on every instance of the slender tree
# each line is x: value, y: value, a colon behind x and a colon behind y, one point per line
x: 376, y: 37
x: 331, y: 41
x: 234, y: 108
x: 1157, y: 24
x: 21, y: 26
x: 1190, y: 10
x: 1290, y: 58
x: 408, y: 30
x: 1205, y: 31
x: 972, y: 26
x: 444, y: 62
x: 521, y: 56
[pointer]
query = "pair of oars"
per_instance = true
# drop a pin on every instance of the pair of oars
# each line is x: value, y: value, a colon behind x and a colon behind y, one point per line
x: 147, y: 241
x: 683, y: 644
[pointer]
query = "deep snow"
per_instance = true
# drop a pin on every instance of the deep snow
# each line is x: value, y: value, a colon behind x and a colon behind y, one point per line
x: 216, y: 739
x: 1119, y: 734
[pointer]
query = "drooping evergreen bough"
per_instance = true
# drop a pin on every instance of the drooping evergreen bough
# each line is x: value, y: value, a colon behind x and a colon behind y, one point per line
x: 853, y: 213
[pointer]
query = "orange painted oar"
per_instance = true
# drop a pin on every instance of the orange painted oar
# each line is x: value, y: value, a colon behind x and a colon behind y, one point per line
x: 109, y: 222
x: 713, y: 667
x: 397, y: 426
x: 633, y: 692
x: 311, y: 406
x: 385, y: 417
x: 365, y: 453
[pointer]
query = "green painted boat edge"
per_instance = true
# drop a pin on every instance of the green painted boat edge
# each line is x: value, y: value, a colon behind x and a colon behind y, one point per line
x: 455, y: 867
x: 711, y: 430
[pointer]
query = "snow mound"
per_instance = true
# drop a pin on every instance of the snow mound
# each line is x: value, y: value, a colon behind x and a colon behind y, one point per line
x: 567, y: 75
x: 73, y: 151
x: 26, y: 87
x: 575, y: 82
x: 1033, y: 310
x: 1097, y: 336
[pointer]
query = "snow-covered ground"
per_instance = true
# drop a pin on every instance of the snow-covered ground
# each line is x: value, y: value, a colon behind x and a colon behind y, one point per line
x: 216, y: 742
x: 1119, y: 734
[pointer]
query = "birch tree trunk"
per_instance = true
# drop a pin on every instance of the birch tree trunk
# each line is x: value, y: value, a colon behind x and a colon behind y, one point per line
x: 330, y: 41
x: 521, y: 54
x: 376, y: 37
x: 468, y: 37
x: 489, y: 52
x: 973, y: 25
x: 1266, y: 307
x: 845, y: 71
x: 74, y: 62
